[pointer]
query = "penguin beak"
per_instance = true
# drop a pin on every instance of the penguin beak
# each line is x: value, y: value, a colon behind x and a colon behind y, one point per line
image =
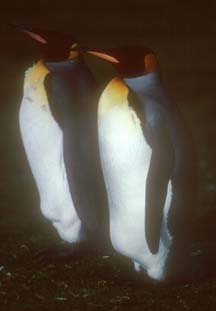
x: 36, y: 36
x: 101, y: 55
x: 104, y: 56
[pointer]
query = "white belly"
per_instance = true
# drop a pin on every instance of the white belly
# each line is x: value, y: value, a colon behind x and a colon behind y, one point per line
x: 43, y: 141
x: 125, y: 158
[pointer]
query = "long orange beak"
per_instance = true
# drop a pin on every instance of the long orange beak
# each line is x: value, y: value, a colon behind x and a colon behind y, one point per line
x: 35, y: 36
x: 107, y: 57
x: 104, y: 56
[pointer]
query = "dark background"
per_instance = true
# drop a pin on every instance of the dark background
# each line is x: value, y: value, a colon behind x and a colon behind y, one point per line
x: 184, y: 38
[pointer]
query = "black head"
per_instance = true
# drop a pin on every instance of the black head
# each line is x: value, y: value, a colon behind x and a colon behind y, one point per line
x: 54, y: 46
x: 129, y: 61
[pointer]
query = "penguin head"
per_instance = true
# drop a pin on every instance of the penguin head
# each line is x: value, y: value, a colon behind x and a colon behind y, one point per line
x: 54, y: 46
x: 130, y: 61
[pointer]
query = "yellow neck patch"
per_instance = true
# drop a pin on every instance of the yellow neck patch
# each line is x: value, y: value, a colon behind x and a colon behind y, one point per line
x: 115, y: 93
x: 34, y: 83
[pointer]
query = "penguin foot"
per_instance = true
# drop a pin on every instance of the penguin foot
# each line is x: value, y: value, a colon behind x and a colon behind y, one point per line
x: 64, y: 253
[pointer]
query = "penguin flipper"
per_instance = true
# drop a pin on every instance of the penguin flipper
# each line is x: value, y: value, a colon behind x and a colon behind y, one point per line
x: 77, y: 120
x: 161, y: 163
x: 159, y: 174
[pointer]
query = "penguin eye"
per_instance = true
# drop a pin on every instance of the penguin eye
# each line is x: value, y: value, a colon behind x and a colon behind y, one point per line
x: 35, y: 36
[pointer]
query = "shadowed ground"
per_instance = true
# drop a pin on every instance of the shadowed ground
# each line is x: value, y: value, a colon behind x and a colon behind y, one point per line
x: 184, y: 39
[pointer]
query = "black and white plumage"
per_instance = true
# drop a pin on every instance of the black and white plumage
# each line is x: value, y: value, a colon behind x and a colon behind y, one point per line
x: 59, y: 131
x: 149, y: 165
x: 125, y: 158
x: 43, y: 141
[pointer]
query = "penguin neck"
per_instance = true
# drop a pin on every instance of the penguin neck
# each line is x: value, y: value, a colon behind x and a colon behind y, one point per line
x: 64, y: 65
x: 144, y: 83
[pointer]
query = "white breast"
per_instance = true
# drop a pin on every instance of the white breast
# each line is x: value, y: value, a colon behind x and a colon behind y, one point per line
x: 125, y: 157
x: 43, y: 141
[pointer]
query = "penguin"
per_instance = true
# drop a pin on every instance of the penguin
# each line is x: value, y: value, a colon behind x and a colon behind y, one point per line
x: 58, y: 127
x: 149, y: 165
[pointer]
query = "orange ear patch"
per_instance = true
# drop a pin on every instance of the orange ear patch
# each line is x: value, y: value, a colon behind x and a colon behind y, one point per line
x: 73, y: 54
x: 150, y: 63
x: 107, y: 57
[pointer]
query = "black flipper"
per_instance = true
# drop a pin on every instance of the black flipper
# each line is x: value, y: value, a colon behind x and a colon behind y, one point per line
x: 72, y: 97
x: 159, y: 174
x: 173, y: 132
x: 161, y: 165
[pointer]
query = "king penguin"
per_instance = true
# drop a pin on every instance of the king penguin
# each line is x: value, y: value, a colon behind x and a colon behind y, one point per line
x: 149, y: 165
x: 58, y: 123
